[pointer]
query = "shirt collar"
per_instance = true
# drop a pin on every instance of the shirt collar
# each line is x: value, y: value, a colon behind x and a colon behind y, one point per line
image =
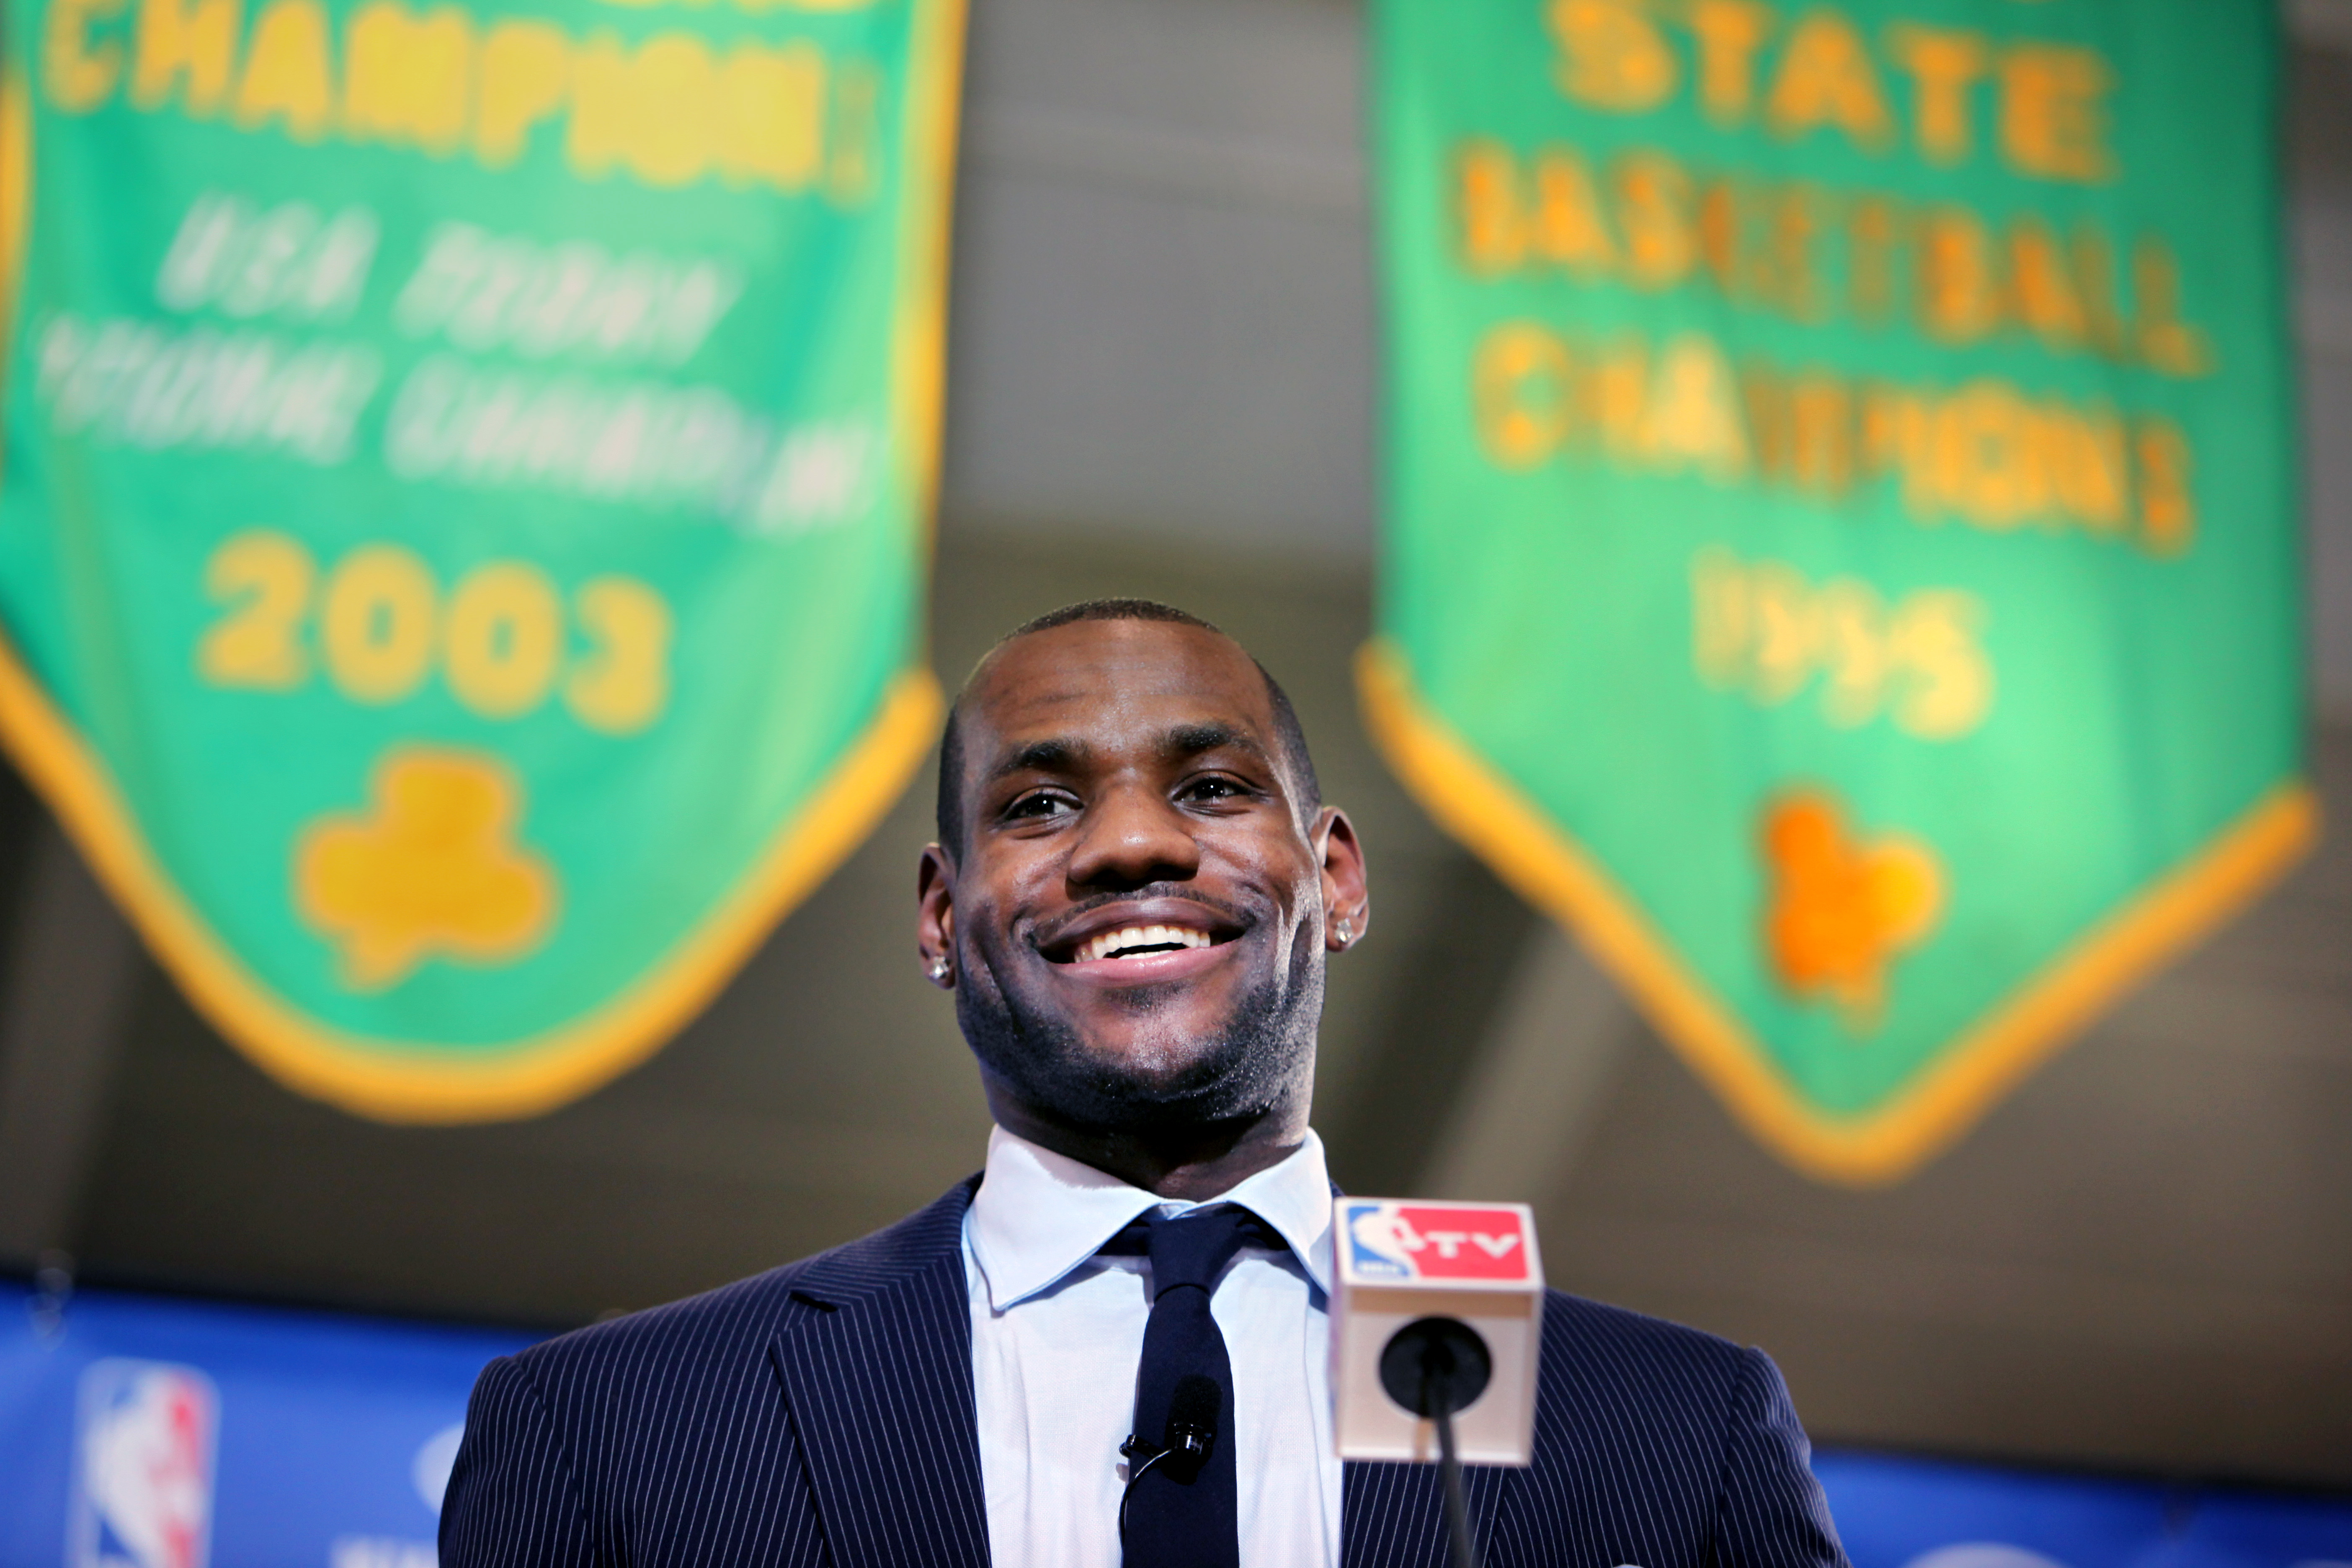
x: 1039, y: 1215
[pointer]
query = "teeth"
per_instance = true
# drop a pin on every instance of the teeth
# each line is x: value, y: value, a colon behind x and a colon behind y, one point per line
x: 1102, y: 945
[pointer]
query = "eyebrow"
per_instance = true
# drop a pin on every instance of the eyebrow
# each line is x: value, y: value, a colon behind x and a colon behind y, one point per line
x: 1057, y: 755
x: 1191, y: 739
x: 1063, y: 754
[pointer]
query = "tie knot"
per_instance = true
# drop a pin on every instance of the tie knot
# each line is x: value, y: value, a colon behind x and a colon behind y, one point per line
x: 1193, y: 1248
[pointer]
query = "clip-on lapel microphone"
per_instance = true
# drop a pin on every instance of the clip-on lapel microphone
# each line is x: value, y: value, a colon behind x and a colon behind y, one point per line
x: 1185, y: 1448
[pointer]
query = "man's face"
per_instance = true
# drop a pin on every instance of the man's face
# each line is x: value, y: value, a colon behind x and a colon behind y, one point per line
x: 1138, y: 915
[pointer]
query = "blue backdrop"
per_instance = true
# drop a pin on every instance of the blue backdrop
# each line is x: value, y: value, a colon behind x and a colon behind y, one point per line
x: 151, y: 1432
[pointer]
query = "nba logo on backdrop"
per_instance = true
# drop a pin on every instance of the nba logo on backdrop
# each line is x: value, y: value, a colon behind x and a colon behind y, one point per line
x: 143, y: 1466
x: 1388, y: 1240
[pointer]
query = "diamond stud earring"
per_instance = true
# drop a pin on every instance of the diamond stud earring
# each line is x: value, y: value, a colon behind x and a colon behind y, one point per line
x: 938, y: 971
x: 1347, y: 930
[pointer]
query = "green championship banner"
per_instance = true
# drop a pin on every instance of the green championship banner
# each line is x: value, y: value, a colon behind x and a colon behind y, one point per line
x: 465, y: 506
x: 1840, y: 534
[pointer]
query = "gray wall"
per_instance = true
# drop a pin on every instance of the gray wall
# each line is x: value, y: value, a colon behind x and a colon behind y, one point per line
x: 1161, y: 384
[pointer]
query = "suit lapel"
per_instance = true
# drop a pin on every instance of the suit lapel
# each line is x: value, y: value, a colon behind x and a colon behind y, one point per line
x: 1393, y: 1516
x: 876, y: 1358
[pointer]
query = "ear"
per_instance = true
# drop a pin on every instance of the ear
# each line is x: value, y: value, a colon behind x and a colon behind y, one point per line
x: 1345, y: 895
x: 935, y: 915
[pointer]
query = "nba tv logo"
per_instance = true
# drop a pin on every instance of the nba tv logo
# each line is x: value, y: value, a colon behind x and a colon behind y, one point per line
x: 1387, y: 1239
x: 143, y: 1494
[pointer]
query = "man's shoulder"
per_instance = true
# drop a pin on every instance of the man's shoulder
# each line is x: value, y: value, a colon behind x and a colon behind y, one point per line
x: 1596, y: 1353
x: 649, y: 1349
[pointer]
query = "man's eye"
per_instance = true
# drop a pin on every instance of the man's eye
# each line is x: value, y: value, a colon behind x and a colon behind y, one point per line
x: 1213, y: 789
x: 1040, y: 804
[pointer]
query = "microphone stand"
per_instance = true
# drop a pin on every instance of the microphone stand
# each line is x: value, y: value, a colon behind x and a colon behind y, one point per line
x: 1449, y: 1470
x: 1433, y: 1367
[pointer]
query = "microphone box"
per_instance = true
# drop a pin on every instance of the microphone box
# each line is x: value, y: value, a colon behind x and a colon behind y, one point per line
x: 1399, y: 1261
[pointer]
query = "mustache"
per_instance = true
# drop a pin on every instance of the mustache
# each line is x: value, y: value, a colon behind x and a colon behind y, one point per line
x: 1045, y: 936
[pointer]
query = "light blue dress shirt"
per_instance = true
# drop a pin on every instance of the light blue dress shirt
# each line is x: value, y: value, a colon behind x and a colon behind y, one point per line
x: 1057, y: 1330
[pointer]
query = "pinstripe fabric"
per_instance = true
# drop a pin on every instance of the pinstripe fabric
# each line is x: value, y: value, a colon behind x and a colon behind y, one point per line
x: 822, y: 1414
x: 1655, y: 1444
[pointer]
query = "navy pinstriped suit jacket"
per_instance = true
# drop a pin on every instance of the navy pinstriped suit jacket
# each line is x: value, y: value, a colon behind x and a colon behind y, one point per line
x: 822, y: 1414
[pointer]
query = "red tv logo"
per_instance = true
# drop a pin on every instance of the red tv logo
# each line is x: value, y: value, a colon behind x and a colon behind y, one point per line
x: 1433, y: 1241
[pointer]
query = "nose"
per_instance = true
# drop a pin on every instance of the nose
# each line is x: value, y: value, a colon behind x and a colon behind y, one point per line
x: 1131, y: 837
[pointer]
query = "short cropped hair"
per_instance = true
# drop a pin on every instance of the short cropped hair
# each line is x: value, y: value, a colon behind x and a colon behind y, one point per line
x: 1288, y: 733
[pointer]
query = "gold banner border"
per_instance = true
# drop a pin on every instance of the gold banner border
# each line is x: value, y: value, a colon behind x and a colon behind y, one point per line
x: 395, y: 1080
x: 1492, y: 817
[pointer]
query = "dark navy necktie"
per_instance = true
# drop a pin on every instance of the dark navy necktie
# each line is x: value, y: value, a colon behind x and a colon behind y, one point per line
x: 1174, y: 1519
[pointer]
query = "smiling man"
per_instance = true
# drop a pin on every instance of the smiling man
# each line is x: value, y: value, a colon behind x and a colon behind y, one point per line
x: 1112, y: 1347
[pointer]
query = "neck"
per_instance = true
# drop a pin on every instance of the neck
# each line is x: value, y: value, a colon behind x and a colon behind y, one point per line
x: 1191, y: 1163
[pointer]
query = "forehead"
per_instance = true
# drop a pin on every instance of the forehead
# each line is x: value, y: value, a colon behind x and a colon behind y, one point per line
x: 1115, y: 683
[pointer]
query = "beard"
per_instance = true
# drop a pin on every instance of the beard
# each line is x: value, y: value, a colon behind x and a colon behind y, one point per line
x: 1247, y: 1066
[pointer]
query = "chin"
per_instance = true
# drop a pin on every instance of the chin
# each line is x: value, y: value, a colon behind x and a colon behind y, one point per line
x: 1158, y: 1067
x: 1154, y: 1056
x: 1191, y: 1078
x: 1170, y: 1027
